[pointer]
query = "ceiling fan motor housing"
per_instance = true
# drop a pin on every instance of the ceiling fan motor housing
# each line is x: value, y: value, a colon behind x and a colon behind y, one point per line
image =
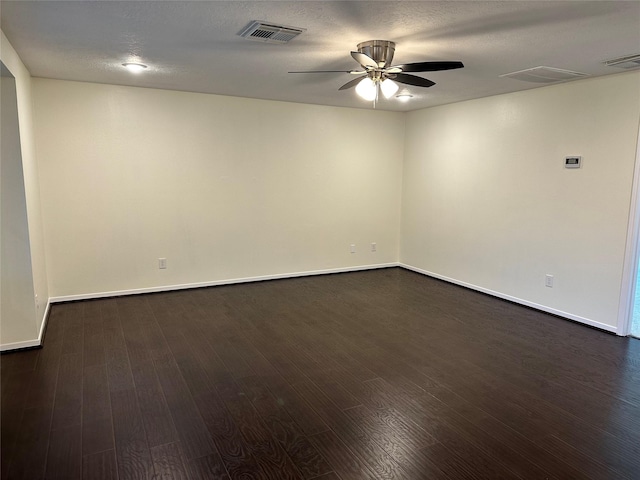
x: 381, y: 51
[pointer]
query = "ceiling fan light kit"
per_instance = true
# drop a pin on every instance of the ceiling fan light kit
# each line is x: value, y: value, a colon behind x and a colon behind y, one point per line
x: 389, y: 88
x: 367, y: 89
x: 378, y: 75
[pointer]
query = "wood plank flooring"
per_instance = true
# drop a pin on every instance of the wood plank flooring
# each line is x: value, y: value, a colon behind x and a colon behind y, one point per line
x: 382, y: 374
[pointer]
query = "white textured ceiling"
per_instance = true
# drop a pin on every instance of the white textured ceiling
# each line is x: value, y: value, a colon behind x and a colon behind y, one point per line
x: 194, y: 46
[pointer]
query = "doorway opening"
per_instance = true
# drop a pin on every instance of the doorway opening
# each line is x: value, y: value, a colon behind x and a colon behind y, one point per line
x: 629, y: 311
x: 629, y: 318
x: 635, y: 318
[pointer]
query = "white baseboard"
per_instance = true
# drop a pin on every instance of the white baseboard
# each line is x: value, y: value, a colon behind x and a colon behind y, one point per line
x: 520, y: 301
x: 67, y: 298
x: 45, y: 319
x: 5, y: 347
x: 185, y: 286
x: 29, y: 343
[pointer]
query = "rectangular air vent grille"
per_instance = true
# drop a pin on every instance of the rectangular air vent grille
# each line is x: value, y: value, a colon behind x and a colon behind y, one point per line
x: 630, y: 61
x: 270, y: 33
x: 544, y: 75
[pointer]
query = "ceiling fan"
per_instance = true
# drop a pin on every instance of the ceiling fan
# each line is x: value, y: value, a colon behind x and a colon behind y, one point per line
x: 377, y: 73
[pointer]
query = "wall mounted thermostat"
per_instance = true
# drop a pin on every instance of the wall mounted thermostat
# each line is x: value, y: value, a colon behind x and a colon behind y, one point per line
x: 572, y: 162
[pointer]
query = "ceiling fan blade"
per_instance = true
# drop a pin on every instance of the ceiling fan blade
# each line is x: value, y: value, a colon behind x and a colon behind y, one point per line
x: 324, y: 71
x: 352, y: 83
x: 412, y: 80
x: 364, y: 60
x: 429, y: 66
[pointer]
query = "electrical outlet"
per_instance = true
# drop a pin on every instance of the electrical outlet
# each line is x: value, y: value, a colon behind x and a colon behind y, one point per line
x: 374, y: 247
x: 548, y: 281
x: 162, y: 263
x: 353, y: 248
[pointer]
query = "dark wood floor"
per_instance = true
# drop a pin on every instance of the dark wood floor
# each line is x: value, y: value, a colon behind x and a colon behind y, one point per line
x: 372, y: 375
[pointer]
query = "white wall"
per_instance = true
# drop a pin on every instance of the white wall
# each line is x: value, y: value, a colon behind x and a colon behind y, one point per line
x: 487, y: 202
x: 223, y: 187
x: 25, y: 330
x: 17, y: 306
x: 228, y: 188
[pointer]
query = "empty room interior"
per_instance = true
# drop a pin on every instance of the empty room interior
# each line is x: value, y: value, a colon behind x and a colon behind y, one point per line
x: 320, y: 240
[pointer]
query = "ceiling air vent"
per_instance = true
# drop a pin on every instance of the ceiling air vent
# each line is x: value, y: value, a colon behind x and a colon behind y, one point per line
x: 544, y: 75
x: 270, y: 33
x: 630, y: 61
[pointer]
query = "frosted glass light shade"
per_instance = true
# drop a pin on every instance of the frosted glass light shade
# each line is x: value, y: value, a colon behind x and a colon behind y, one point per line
x: 134, y: 67
x: 388, y: 87
x: 366, y: 89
